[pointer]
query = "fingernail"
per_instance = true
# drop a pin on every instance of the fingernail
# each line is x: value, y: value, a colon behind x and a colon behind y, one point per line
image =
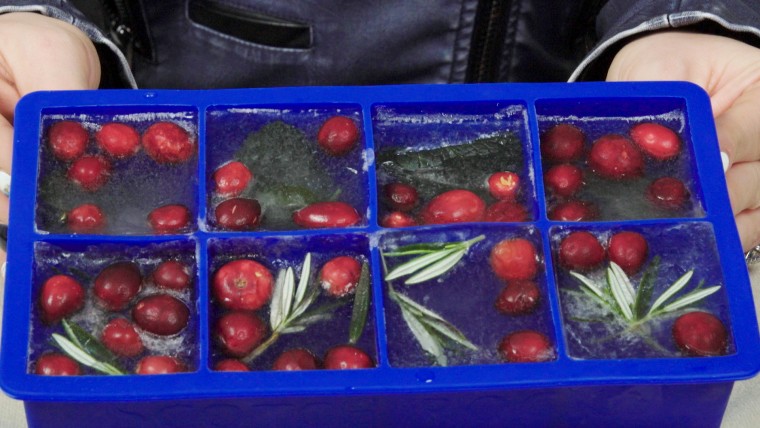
x: 724, y: 159
x: 5, y: 183
x: 2, y: 269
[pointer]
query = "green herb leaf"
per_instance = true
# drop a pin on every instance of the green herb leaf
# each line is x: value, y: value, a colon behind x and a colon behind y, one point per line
x: 427, y: 341
x: 288, y: 290
x: 436, y: 269
x: 588, y: 283
x: 87, y: 342
x: 81, y: 356
x: 645, y: 290
x: 303, y: 282
x: 275, y: 308
x: 619, y: 293
x: 416, y: 264
x: 360, y: 306
x: 628, y: 292
x: 413, y: 249
x: 674, y: 288
x: 690, y: 298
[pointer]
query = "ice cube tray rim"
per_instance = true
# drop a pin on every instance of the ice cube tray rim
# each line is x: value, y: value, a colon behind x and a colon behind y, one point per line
x: 383, y: 379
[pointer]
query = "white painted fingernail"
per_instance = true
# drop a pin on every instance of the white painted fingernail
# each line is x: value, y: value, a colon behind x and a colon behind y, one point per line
x: 2, y: 269
x: 724, y: 159
x: 5, y: 183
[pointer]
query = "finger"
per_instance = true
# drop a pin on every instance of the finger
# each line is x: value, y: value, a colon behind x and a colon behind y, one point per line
x: 6, y: 145
x: 739, y: 127
x: 748, y: 225
x: 743, y: 181
x: 3, y: 209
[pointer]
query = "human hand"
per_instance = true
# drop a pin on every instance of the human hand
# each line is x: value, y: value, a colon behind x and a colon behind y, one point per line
x: 38, y: 53
x: 729, y: 71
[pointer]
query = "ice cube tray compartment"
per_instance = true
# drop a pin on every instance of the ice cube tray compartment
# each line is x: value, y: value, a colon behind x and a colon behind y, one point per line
x: 403, y: 119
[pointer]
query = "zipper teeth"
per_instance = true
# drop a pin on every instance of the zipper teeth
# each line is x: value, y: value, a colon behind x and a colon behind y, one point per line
x: 488, y: 18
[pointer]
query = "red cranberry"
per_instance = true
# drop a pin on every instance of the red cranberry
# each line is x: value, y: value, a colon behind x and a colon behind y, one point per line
x: 159, y: 364
x: 700, y: 334
x: 340, y: 275
x: 90, y: 172
x: 239, y: 332
x: 161, y: 314
x: 231, y: 365
x: 60, y: 296
x: 518, y: 297
x: 514, y: 259
x: 526, y: 346
x: 242, y: 284
x: 118, y: 140
x: 85, y: 218
x: 338, y: 135
x: 173, y: 275
x: 562, y: 143
x: 504, y: 185
x: 657, y: 141
x: 295, y: 359
x: 54, y: 364
x: 167, y: 142
x: 506, y: 212
x: 573, y: 211
x: 169, y: 219
x: 454, y: 206
x: 67, y: 140
x: 398, y: 219
x: 616, y: 157
x: 668, y: 193
x: 120, y: 337
x: 347, y: 357
x: 116, y: 285
x: 238, y: 214
x: 581, y: 251
x: 400, y: 196
x: 325, y: 215
x: 232, y: 178
x: 564, y: 180
x: 629, y: 250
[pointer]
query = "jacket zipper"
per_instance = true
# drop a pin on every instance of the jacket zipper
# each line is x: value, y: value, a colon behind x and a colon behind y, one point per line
x: 487, y: 40
x: 120, y: 25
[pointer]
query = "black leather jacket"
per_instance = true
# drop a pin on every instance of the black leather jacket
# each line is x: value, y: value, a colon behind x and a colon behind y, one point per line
x: 248, y: 43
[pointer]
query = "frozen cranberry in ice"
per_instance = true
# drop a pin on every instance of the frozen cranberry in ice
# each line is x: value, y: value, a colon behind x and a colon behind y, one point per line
x: 296, y: 359
x: 161, y: 314
x: 116, y: 285
x: 85, y: 218
x: 326, y: 215
x: 232, y: 178
x: 242, y: 284
x: 67, y: 140
x: 504, y: 185
x: 615, y: 157
x: 506, y: 212
x: 514, y: 259
x: 159, y: 364
x: 54, y: 364
x: 121, y: 338
x: 398, y: 219
x: 526, y: 346
x: 668, y: 193
x: 239, y: 332
x: 231, y: 365
x: 340, y: 275
x: 118, y: 140
x: 454, y: 206
x: 518, y: 297
x: 169, y: 219
x: 573, y: 210
x: 238, y: 214
x: 167, y: 142
x: 400, y: 196
x: 338, y: 135
x: 345, y: 357
x: 60, y: 297
x: 562, y: 143
x: 172, y: 274
x: 657, y: 141
x: 581, y: 251
x: 700, y: 334
x: 628, y: 250
x: 90, y: 172
x: 564, y: 180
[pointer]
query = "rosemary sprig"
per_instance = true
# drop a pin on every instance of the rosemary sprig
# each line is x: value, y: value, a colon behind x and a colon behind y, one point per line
x: 86, y: 349
x: 632, y: 304
x: 431, y: 261
x: 361, y: 306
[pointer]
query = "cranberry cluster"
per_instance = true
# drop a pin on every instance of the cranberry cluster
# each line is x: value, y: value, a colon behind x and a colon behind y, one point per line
x: 90, y: 170
x: 137, y: 308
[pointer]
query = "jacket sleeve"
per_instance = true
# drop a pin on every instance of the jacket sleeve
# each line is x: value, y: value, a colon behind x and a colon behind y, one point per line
x: 114, y: 66
x: 621, y: 20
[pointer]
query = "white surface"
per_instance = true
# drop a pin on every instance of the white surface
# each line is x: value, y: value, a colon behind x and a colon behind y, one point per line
x: 743, y: 408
